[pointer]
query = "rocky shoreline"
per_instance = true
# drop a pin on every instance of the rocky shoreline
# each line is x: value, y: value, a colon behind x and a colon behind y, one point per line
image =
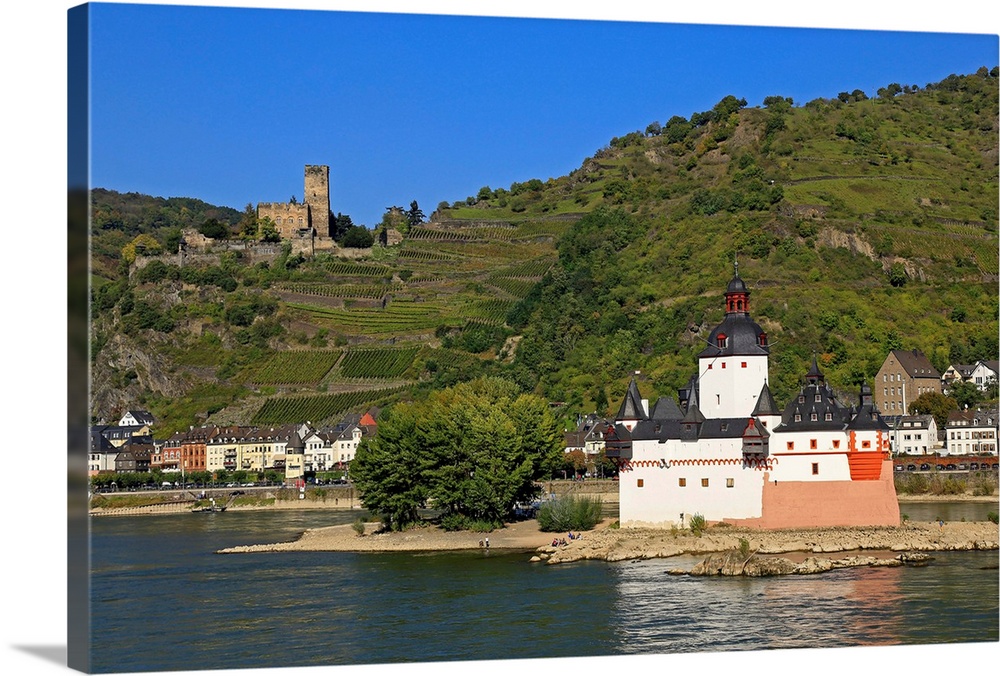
x: 882, y: 545
x: 803, y: 551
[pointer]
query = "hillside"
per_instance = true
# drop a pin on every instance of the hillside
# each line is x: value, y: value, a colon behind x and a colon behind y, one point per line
x: 861, y: 225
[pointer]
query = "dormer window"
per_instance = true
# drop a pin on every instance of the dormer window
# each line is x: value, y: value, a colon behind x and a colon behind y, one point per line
x: 802, y: 399
x: 818, y: 397
x: 813, y: 417
x: 762, y: 340
x: 828, y: 417
x: 798, y: 418
x: 720, y: 340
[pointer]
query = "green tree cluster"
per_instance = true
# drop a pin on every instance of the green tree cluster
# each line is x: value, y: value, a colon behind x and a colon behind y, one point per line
x: 472, y: 451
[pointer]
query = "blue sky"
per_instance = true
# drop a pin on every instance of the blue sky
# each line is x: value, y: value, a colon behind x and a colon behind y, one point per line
x: 228, y: 104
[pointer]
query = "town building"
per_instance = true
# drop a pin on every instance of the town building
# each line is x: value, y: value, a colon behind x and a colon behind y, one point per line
x: 912, y: 434
x: 904, y: 376
x: 972, y: 432
x: 728, y: 453
x: 983, y: 373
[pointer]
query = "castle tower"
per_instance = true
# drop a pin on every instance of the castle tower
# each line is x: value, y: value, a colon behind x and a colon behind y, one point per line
x: 317, y: 196
x: 732, y: 369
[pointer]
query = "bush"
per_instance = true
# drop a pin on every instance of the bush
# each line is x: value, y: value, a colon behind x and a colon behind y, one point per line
x: 569, y: 513
x: 992, y: 516
x: 453, y: 522
x: 359, y: 526
x: 697, y: 524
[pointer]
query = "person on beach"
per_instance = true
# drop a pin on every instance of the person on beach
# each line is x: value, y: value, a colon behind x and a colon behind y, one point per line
x: 487, y: 543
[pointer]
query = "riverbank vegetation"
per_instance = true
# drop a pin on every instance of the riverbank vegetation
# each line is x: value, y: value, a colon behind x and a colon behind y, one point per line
x: 938, y: 483
x: 568, y: 513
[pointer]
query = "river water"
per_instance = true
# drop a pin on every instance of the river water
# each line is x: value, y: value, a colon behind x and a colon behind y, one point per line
x: 163, y: 600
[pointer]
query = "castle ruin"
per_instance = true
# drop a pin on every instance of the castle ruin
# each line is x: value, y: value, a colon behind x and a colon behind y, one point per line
x: 308, y: 220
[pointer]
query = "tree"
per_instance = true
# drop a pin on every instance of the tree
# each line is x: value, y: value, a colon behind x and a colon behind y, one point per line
x: 339, y: 225
x: 268, y: 231
x: 653, y: 129
x: 414, y: 216
x: 144, y: 244
x: 213, y: 229
x: 935, y: 404
x: 248, y: 223
x: 474, y: 450
x: 357, y: 237
x: 897, y: 275
x: 965, y: 393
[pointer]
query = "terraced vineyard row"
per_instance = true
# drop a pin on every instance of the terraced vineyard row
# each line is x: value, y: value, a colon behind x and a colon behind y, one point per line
x: 349, y: 269
x: 515, y: 286
x: 396, y: 318
x: 317, y: 408
x: 423, y: 255
x: 535, y: 268
x: 367, y: 291
x: 493, y: 312
x: 377, y: 362
x: 298, y: 367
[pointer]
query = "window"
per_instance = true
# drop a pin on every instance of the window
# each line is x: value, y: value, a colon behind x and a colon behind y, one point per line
x: 798, y: 418
x: 836, y: 443
x: 723, y: 364
x: 682, y: 482
x: 709, y: 367
x: 818, y: 397
x: 815, y: 468
x: 704, y: 483
x: 790, y: 445
x: 828, y: 417
x: 866, y: 444
x: 743, y: 364
x: 638, y: 482
x: 813, y: 417
x: 812, y: 445
x: 730, y: 483
x: 720, y: 340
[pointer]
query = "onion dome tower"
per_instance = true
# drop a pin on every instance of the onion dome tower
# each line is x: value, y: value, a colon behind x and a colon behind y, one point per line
x: 732, y: 369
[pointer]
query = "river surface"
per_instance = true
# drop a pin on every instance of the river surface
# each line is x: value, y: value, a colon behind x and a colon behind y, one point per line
x: 163, y: 600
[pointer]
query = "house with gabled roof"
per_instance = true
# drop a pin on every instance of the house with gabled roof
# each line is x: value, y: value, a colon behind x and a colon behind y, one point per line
x: 912, y: 434
x: 904, y: 376
x: 102, y: 454
x: 136, y: 418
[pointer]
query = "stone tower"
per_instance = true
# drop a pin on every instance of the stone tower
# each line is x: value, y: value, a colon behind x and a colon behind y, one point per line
x: 317, y: 196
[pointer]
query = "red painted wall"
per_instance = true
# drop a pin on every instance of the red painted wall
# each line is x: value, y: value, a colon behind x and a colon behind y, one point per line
x: 812, y: 504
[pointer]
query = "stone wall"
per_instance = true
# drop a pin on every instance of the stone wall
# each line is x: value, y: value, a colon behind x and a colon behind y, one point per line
x: 288, y: 218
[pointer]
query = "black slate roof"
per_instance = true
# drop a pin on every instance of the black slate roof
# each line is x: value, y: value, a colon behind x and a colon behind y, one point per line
x: 631, y: 408
x: 666, y: 409
x: 742, y: 337
x: 765, y: 403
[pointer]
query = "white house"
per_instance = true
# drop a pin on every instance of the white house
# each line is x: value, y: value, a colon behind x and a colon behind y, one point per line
x: 912, y: 434
x: 727, y: 453
x: 972, y: 433
x: 136, y: 418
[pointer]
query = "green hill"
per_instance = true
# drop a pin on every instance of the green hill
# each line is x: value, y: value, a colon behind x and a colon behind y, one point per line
x: 861, y: 225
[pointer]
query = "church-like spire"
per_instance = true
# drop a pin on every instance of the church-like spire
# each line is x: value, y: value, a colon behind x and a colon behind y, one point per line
x: 814, y: 375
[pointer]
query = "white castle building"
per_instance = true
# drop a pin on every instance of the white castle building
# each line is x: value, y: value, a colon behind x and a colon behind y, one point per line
x: 727, y: 453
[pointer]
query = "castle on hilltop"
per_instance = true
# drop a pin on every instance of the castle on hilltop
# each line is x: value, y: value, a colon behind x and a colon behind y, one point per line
x: 728, y: 453
x: 308, y: 219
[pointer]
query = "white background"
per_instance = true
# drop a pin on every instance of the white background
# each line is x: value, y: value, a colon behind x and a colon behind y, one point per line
x: 33, y: 166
